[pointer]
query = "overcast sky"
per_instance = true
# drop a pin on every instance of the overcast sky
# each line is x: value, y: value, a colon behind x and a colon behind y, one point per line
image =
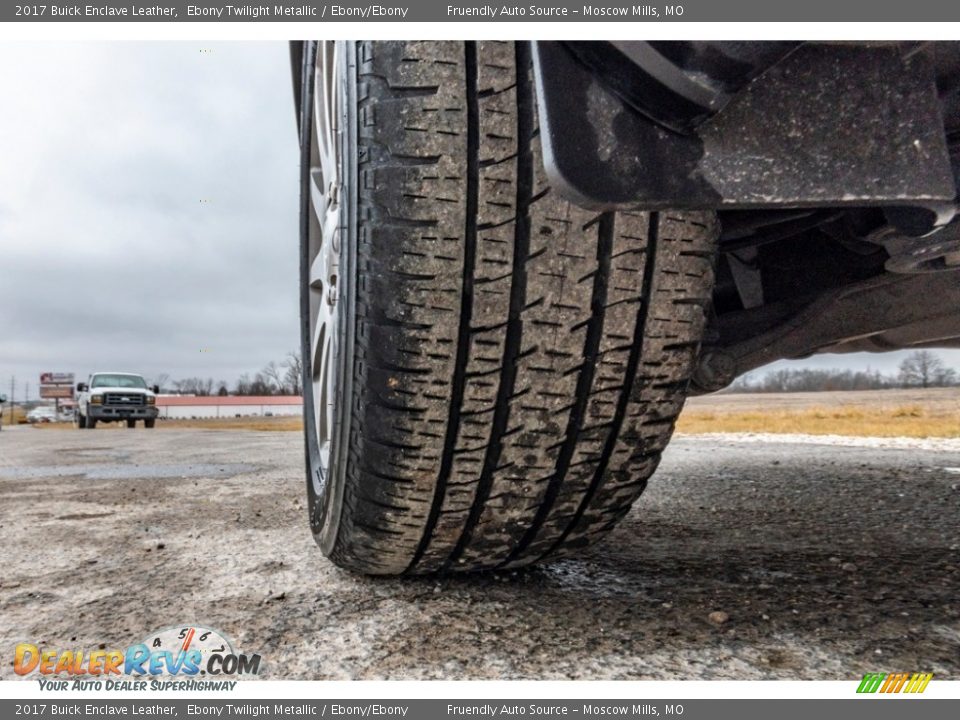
x: 108, y: 257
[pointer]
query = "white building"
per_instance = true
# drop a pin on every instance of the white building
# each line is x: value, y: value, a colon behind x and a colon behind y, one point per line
x: 214, y: 406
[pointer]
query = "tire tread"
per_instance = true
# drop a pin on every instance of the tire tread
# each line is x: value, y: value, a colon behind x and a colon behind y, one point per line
x: 519, y: 361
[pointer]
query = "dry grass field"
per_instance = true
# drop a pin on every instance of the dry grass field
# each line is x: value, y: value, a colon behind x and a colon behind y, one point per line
x: 931, y: 413
x: 283, y: 424
x: 19, y: 415
x: 289, y: 423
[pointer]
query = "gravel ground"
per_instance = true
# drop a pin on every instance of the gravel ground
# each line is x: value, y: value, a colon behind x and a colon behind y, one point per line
x: 746, y: 558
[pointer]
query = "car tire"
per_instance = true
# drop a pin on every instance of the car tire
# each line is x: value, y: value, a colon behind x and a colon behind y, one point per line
x: 149, y: 423
x: 131, y: 424
x: 91, y: 423
x: 81, y: 421
x: 507, y: 367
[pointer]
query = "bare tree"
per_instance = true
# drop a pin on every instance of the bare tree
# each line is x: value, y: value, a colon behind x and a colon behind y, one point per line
x: 922, y: 368
x: 777, y: 381
x: 293, y: 375
x: 818, y: 380
x: 243, y: 385
x: 273, y: 378
x: 261, y: 385
x: 945, y: 377
x: 161, y: 380
x: 186, y: 386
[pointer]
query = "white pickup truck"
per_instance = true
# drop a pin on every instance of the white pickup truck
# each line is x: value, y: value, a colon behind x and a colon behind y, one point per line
x: 116, y: 397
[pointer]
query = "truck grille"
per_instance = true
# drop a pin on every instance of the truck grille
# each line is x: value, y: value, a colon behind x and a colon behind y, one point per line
x: 124, y: 399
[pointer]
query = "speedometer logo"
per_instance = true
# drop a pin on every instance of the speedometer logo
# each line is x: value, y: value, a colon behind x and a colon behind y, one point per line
x: 196, y: 649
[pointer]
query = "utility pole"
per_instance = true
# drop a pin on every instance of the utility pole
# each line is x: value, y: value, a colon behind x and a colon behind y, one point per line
x: 13, y: 398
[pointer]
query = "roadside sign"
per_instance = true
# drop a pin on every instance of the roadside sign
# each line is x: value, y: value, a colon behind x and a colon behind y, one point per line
x: 51, y: 378
x: 56, y: 391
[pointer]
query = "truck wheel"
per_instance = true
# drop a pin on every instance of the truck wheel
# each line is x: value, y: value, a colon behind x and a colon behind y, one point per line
x: 149, y: 423
x: 81, y: 421
x: 490, y: 372
x: 91, y: 423
x: 131, y: 424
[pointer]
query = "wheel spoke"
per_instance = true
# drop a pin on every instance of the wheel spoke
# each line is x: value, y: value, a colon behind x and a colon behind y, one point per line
x: 318, y: 197
x: 324, y: 403
x: 324, y: 238
x: 318, y: 272
x: 325, y: 116
x: 324, y: 320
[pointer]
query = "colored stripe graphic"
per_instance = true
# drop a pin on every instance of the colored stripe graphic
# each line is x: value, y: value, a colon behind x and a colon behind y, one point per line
x: 871, y: 682
x: 187, y: 640
x: 918, y: 683
x: 894, y: 682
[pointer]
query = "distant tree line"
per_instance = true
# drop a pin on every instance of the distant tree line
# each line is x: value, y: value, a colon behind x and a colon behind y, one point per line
x: 920, y: 369
x: 273, y: 379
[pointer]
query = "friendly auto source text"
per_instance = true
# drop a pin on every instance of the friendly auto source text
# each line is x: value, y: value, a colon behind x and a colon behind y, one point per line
x: 491, y: 710
x: 543, y: 11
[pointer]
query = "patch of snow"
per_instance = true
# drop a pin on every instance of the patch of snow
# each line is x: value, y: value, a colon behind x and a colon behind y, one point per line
x: 892, y: 443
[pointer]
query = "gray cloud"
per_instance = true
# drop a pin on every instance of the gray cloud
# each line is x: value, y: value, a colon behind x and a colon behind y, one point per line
x: 148, y: 208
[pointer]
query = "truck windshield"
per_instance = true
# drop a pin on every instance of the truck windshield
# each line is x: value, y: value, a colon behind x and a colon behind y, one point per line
x: 118, y: 381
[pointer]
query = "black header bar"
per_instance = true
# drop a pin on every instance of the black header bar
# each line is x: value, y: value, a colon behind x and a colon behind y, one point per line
x: 571, y: 11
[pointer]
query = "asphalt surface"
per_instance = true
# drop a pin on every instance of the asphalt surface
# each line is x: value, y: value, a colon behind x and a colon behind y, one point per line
x: 744, y: 559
